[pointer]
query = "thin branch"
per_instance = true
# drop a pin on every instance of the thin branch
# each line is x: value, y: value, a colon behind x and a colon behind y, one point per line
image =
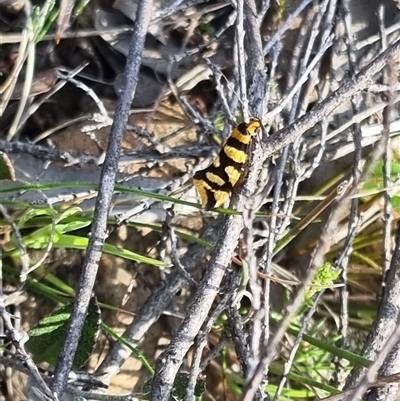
x: 18, y: 339
x: 285, y: 26
x: 299, y: 338
x: 384, y: 337
x: 232, y: 283
x: 255, y: 68
x: 300, y: 81
x: 103, y: 202
x: 240, y: 57
x: 379, y: 382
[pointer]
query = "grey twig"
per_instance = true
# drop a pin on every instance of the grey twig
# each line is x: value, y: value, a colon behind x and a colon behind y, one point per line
x: 289, y: 362
x: 103, y: 202
x: 217, y: 76
x: 390, y: 78
x: 89, y: 395
x: 382, y: 344
x: 388, y: 313
x: 285, y: 26
x: 379, y: 382
x: 357, y: 136
x: 301, y: 80
x: 174, y: 252
x: 299, y: 53
x: 32, y: 108
x: 218, y: 348
x: 45, y: 153
x: 66, y: 76
x: 201, y: 340
x: 239, y: 337
x: 170, y: 360
x: 239, y: 46
x: 342, y: 263
x: 18, y: 339
x: 255, y: 64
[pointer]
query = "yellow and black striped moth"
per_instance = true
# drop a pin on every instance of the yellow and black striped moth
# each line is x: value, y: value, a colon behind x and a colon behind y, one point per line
x: 215, y: 183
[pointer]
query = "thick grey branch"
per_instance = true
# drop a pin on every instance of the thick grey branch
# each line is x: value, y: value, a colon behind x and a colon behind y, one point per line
x: 103, y: 202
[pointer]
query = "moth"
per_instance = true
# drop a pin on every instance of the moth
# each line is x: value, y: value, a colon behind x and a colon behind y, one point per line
x: 215, y: 183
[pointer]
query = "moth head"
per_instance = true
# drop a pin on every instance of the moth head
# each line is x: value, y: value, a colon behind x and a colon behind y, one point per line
x: 253, y: 126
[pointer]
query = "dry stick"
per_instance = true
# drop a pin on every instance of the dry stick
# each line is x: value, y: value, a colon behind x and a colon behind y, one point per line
x: 257, y: 94
x: 342, y: 263
x: 239, y: 41
x: 255, y: 60
x: 355, y: 84
x: 201, y: 343
x: 279, y: 33
x: 272, y: 72
x: 379, y: 382
x: 259, y: 310
x: 391, y: 363
x: 305, y: 324
x: 90, y: 395
x: 217, y: 78
x: 80, y: 85
x: 46, y: 153
x: 18, y: 339
x: 323, y: 33
x: 7, y: 88
x: 301, y: 80
x: 197, y: 49
x: 8, y: 38
x: 174, y: 252
x: 356, y: 172
x: 385, y: 334
x: 289, y: 135
x: 103, y: 202
x: 53, y: 154
x: 171, y: 359
x: 30, y: 58
x: 299, y: 173
x: 232, y: 283
x: 239, y: 338
x: 299, y: 47
x: 390, y: 79
x: 28, y: 78
x: 216, y: 351
x: 257, y: 100
x: 263, y: 7
x: 33, y: 107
